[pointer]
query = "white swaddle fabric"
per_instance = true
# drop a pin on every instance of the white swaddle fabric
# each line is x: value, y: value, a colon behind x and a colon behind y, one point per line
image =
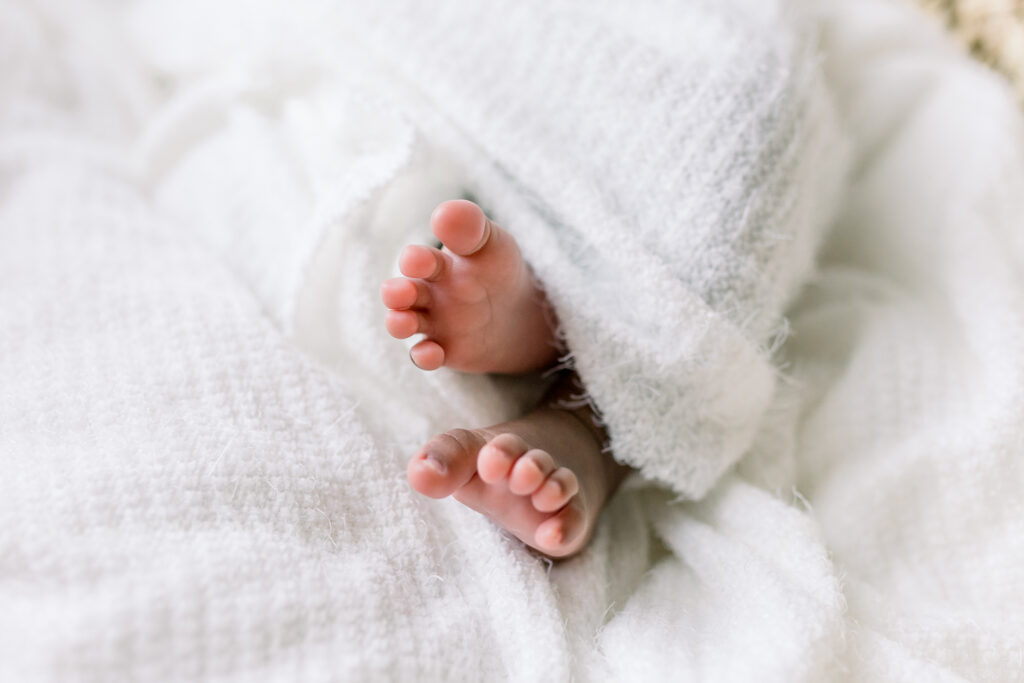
x: 203, y: 424
x: 668, y: 169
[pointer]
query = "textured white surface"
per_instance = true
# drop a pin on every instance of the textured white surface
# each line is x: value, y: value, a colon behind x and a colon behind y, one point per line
x: 668, y: 169
x: 203, y: 424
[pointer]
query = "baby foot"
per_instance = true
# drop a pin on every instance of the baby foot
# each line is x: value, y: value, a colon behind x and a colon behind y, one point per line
x: 475, y: 300
x: 544, y: 477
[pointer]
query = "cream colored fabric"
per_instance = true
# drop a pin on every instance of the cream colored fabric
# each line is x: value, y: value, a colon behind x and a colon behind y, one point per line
x: 993, y: 30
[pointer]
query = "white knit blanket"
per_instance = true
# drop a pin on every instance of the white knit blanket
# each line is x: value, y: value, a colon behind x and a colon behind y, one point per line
x: 203, y: 425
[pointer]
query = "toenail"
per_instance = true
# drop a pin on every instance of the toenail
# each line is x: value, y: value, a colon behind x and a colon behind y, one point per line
x: 505, y: 455
x: 554, y: 538
x: 434, y: 463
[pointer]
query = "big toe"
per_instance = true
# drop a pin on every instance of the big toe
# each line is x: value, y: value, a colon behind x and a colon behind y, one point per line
x: 445, y: 463
x: 461, y: 226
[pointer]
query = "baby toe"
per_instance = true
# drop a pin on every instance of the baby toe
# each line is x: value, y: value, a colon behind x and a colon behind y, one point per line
x: 461, y: 226
x: 560, y: 534
x: 530, y: 471
x: 496, y: 458
x: 443, y: 465
x: 422, y: 262
x: 556, y: 490
x: 427, y: 355
x: 401, y: 293
x: 403, y: 324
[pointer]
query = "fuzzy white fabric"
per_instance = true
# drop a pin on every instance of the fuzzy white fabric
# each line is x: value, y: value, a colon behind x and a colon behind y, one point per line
x: 204, y: 426
x: 668, y: 169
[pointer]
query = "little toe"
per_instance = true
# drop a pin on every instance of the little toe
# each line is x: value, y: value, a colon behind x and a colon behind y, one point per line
x: 404, y: 324
x: 427, y: 355
x: 556, y: 490
x: 400, y: 293
x: 560, y: 534
x: 422, y: 262
x: 444, y: 464
x: 461, y: 226
x: 530, y: 471
x: 495, y: 460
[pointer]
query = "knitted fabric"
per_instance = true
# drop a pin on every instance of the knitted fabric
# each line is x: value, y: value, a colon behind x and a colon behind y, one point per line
x: 668, y: 240
x: 203, y: 424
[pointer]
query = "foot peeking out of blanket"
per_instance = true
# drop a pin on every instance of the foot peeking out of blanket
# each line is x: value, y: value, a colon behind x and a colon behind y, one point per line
x: 475, y: 300
x: 545, y: 476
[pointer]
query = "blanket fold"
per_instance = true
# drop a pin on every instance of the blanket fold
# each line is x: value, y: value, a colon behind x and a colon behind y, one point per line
x: 669, y: 176
x: 203, y: 423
